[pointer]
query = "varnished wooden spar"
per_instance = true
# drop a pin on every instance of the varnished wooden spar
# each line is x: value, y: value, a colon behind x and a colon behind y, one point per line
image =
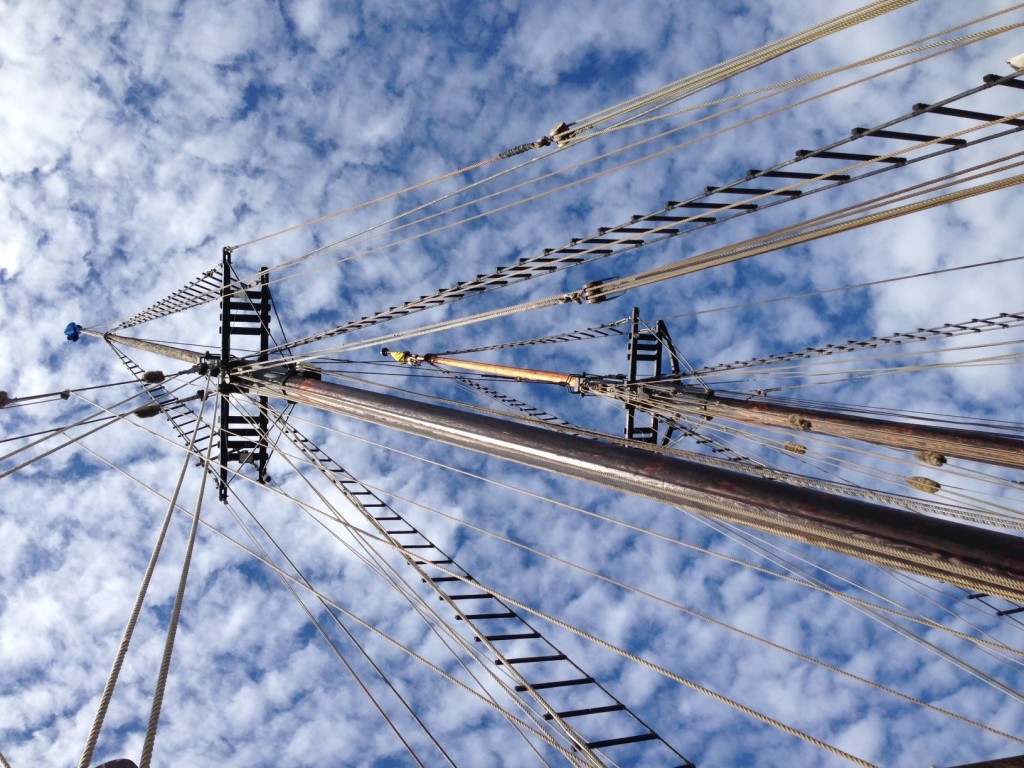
x: 977, y: 559
x: 974, y: 445
x: 668, y: 399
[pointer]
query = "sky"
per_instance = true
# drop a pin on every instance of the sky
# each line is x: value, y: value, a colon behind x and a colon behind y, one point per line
x: 141, y: 138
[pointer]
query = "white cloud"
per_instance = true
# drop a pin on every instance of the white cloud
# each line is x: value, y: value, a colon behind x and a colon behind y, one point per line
x: 138, y: 141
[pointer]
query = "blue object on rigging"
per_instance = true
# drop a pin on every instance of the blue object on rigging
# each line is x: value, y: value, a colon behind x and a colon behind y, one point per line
x: 72, y: 331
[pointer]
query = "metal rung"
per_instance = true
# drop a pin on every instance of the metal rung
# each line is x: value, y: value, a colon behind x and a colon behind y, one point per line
x: 797, y: 175
x: 970, y: 115
x: 388, y: 517
x: 854, y: 156
x: 445, y: 561
x: 716, y: 206
x: 645, y: 231
x: 511, y: 636
x: 589, y: 711
x: 245, y: 331
x: 751, y: 191
x: 243, y: 305
x: 555, y: 684
x: 473, y: 596
x: 622, y: 740
x: 419, y: 546
x: 444, y: 578
x: 475, y: 616
x: 533, y: 659
x: 1010, y: 611
x: 861, y: 132
x: 399, y: 533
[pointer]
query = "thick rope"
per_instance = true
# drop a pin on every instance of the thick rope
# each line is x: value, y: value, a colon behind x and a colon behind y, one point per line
x: 126, y: 638
x: 172, y: 627
x: 737, y: 65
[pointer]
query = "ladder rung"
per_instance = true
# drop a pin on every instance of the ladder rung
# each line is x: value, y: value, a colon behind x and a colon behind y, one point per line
x: 471, y: 596
x: 533, y: 659
x: 715, y: 206
x: 589, y: 711
x: 854, y: 156
x: 797, y: 175
x: 476, y: 616
x: 436, y: 579
x: 511, y: 636
x: 399, y: 533
x: 555, y: 684
x: 645, y: 231
x: 983, y: 116
x: 621, y: 740
x: 860, y: 132
x: 751, y: 191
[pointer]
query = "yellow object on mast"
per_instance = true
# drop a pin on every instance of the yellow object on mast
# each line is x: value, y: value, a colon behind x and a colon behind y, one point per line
x: 572, y: 381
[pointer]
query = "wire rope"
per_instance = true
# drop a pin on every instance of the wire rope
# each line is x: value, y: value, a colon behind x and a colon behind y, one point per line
x: 704, y: 617
x: 129, y: 630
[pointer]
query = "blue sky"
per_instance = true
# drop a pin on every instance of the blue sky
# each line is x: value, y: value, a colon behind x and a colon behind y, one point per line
x: 140, y: 138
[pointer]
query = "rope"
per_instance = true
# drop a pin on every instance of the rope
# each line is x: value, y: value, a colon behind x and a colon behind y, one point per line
x: 342, y: 479
x: 126, y: 637
x: 604, y: 156
x: 172, y: 627
x: 113, y: 420
x: 837, y: 289
x: 665, y: 673
x: 728, y: 255
x: 704, y: 617
x: 875, y: 496
x: 544, y: 141
x: 427, y: 302
x: 381, y: 567
x: 337, y: 651
x: 738, y: 64
x: 920, y: 620
x: 596, y: 332
x: 916, y: 46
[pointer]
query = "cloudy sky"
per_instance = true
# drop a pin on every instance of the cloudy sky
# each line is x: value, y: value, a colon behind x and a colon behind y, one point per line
x: 141, y: 138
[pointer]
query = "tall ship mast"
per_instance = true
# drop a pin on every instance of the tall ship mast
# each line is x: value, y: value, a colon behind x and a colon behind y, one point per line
x: 684, y: 432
